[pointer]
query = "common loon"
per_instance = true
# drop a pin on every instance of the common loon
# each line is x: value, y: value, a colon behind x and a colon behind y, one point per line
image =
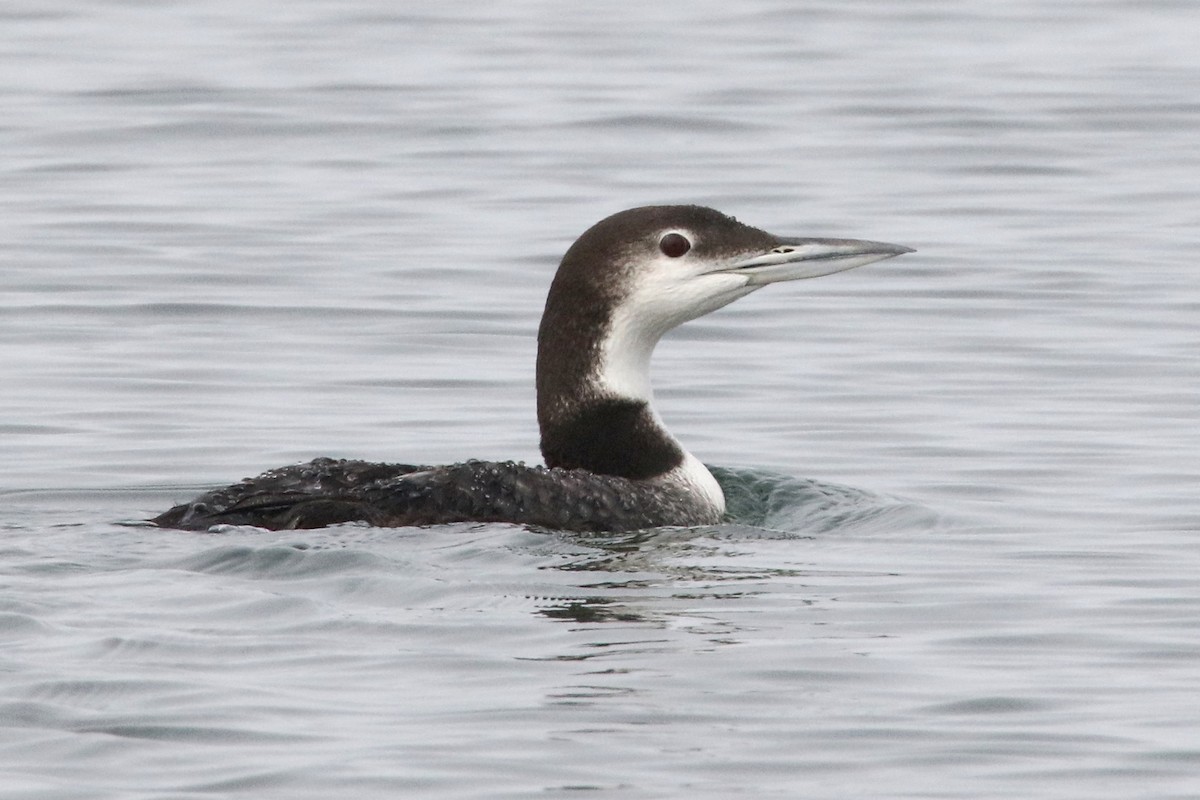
x: 611, y: 464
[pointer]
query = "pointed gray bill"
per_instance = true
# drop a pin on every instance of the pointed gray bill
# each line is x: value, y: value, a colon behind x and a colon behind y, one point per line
x: 796, y: 259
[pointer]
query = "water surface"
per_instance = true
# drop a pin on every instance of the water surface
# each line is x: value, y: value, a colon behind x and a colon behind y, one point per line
x: 238, y: 235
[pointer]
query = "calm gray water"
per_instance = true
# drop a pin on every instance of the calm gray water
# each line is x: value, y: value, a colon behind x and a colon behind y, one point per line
x: 234, y: 235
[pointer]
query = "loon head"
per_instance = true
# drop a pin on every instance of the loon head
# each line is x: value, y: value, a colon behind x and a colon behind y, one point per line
x: 623, y: 284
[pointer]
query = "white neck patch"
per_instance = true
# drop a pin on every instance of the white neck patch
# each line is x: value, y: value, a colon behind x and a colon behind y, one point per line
x: 696, y: 475
x: 661, y: 294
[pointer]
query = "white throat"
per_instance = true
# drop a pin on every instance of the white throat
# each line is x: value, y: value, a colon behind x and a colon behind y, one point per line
x: 656, y: 303
x: 660, y: 297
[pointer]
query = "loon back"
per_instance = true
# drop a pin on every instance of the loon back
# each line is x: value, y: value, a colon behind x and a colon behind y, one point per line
x: 611, y: 464
x: 327, y: 492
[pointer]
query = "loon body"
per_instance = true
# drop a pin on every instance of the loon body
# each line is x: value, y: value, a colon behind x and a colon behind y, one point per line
x: 611, y: 464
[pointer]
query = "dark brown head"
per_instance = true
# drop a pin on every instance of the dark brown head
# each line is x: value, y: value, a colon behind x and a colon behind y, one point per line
x: 634, y: 276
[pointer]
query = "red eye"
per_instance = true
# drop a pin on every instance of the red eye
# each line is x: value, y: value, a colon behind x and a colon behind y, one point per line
x: 674, y: 245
